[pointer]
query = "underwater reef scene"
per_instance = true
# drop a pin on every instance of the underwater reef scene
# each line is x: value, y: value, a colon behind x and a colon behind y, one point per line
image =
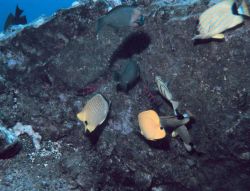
x: 86, y: 94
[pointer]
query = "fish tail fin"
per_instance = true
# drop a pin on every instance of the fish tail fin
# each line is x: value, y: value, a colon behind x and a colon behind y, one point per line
x: 175, y: 105
x: 243, y: 9
x: 99, y: 24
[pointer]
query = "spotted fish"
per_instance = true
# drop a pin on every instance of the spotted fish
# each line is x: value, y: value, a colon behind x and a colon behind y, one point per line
x: 94, y: 112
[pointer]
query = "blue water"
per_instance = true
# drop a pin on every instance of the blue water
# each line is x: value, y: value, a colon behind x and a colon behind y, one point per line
x: 32, y: 8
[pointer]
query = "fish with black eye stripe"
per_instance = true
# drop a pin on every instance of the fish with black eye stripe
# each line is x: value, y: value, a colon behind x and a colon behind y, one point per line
x: 220, y: 17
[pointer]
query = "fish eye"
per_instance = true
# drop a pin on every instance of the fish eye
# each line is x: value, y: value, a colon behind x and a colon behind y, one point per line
x: 85, y: 122
x: 140, y: 21
x: 180, y: 117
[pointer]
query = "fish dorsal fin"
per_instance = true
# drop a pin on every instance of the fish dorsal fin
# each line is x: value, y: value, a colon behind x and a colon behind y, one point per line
x: 18, y: 11
x: 218, y: 36
x: 119, y: 7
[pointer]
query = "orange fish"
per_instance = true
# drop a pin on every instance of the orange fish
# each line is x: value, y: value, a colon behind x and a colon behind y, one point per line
x: 150, y: 125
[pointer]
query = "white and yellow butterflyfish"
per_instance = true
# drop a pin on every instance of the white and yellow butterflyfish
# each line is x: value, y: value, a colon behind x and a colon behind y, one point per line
x: 219, y: 18
x: 94, y: 112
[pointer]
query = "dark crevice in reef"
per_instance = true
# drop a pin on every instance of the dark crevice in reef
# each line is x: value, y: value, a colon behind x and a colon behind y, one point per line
x: 11, y: 152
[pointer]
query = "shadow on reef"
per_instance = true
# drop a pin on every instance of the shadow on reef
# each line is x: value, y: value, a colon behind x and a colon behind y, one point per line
x: 95, y: 135
x: 11, y: 152
x: 161, y: 144
x: 135, y: 43
x: 206, y: 41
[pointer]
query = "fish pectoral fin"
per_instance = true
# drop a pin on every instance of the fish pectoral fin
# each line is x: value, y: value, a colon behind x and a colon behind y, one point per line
x: 218, y: 36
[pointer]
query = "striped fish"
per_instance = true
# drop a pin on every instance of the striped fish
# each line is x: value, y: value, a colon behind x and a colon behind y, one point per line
x: 94, y: 112
x: 149, y: 123
x: 219, y: 18
x: 164, y: 91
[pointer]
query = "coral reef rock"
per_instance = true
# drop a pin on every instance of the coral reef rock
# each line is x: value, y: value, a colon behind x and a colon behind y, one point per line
x: 42, y: 69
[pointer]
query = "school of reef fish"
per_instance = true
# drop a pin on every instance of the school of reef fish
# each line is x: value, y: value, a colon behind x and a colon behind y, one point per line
x: 212, y: 23
x: 159, y: 135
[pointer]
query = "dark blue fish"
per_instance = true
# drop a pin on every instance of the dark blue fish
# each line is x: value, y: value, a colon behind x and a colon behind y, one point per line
x: 15, y: 19
x: 128, y: 77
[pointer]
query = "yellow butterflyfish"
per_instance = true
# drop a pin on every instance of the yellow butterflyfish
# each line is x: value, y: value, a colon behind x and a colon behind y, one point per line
x: 150, y: 125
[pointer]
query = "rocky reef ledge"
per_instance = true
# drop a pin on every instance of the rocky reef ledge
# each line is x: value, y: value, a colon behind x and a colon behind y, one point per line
x: 42, y: 68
